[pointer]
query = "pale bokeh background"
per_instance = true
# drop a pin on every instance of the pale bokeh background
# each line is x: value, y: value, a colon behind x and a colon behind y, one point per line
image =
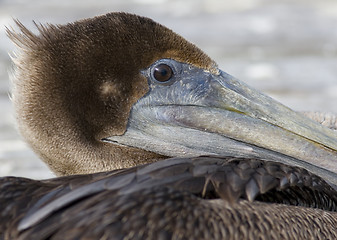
x: 286, y: 48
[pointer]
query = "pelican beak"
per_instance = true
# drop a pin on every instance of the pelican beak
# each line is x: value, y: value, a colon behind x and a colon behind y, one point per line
x: 202, y: 113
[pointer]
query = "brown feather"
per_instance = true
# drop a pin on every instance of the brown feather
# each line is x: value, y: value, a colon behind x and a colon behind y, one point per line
x: 76, y: 83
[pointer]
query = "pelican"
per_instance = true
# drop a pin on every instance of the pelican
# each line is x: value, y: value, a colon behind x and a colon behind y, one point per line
x: 151, y: 140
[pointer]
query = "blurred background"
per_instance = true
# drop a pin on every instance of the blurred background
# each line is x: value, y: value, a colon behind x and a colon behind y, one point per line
x: 285, y: 48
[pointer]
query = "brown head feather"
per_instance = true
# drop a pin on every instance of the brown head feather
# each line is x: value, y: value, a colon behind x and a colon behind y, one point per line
x: 75, y: 84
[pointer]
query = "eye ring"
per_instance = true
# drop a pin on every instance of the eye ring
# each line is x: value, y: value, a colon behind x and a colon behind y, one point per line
x: 162, y: 72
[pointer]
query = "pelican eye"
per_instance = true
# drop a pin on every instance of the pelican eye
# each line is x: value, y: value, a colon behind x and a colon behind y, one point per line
x: 162, y: 72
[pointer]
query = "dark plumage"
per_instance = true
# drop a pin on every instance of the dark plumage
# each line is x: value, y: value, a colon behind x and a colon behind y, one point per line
x: 201, y: 198
x: 120, y: 90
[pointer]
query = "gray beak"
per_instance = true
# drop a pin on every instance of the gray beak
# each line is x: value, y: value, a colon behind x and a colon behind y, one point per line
x: 200, y: 113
